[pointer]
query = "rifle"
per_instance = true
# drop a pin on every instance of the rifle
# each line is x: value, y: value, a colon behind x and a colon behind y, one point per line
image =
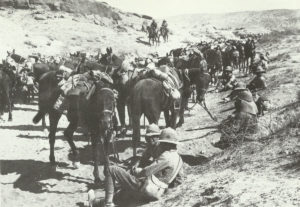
x: 203, y: 128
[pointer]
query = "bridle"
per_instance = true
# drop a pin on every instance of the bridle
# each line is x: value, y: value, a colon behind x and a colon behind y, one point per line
x: 109, y: 131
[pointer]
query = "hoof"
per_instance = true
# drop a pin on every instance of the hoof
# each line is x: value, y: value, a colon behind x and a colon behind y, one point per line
x: 10, y: 119
x: 179, y: 124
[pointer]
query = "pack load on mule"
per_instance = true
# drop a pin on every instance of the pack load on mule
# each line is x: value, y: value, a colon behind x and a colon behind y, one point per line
x: 144, y: 182
x: 163, y: 74
x: 78, y: 84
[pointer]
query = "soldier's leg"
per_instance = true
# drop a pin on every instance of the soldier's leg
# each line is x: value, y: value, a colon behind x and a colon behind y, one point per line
x: 124, y: 178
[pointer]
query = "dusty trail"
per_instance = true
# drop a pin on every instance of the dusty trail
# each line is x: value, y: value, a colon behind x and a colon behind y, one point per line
x: 260, y: 172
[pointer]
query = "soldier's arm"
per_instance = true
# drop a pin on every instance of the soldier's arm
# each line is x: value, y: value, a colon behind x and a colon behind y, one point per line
x: 155, y: 167
x: 145, y: 157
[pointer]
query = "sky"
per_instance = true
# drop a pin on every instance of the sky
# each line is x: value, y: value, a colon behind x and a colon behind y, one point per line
x: 165, y: 8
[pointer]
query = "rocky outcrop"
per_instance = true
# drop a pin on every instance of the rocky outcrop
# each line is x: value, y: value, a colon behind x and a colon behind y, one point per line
x: 72, y: 6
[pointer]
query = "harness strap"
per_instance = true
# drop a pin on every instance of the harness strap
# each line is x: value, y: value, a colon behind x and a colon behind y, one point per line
x: 179, y: 166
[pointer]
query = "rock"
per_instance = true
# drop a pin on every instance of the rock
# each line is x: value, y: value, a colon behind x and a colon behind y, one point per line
x: 147, y: 17
x: 39, y: 17
x: 28, y: 42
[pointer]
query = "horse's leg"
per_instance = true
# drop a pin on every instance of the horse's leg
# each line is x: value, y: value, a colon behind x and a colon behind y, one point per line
x: 9, y: 103
x: 44, y: 126
x: 97, y: 179
x: 174, y: 115
x: 136, y: 134
x: 68, y: 133
x: 129, y: 111
x: 54, y: 117
x: 121, y: 112
x: 183, y: 105
x: 167, y: 117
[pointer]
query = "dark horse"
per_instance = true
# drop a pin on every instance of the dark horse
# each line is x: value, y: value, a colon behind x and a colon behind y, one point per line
x: 101, y: 124
x: 149, y: 98
x: 164, y: 32
x: 79, y: 110
x: 48, y: 94
x: 192, y: 76
x: 7, y: 82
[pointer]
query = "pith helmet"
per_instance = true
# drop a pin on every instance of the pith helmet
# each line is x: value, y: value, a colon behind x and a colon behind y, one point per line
x: 168, y: 135
x: 152, y: 130
x: 228, y: 69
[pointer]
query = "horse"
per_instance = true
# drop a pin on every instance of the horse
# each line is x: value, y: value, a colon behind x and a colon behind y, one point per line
x: 149, y: 98
x: 110, y: 61
x: 242, y: 57
x: 164, y: 32
x: 249, y: 54
x: 192, y: 76
x: 153, y: 35
x: 48, y: 94
x: 212, y: 64
x: 100, y: 119
x: 7, y: 82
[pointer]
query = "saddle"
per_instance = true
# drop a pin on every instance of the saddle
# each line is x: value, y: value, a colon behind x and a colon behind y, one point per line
x: 170, y: 82
x: 83, y: 84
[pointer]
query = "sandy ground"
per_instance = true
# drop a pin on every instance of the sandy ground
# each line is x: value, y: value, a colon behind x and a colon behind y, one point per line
x: 261, y: 172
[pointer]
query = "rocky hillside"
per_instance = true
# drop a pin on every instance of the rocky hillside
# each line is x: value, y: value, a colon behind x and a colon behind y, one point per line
x: 57, y: 27
x: 241, y: 22
x: 71, y: 6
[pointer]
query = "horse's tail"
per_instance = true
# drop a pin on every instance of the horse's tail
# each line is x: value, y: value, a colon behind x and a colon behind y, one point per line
x: 38, y: 117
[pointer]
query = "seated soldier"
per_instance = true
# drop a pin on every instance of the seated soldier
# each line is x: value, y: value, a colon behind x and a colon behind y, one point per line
x: 227, y: 80
x: 261, y: 62
x: 258, y: 83
x: 244, y: 117
x: 149, y: 182
x: 238, y: 91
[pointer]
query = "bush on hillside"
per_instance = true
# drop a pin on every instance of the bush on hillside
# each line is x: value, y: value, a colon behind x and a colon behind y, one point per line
x: 276, y: 36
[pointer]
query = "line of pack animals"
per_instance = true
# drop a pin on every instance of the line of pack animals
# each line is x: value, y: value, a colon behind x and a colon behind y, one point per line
x: 95, y: 90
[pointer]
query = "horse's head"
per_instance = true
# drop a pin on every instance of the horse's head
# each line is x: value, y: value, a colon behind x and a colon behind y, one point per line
x: 106, y: 108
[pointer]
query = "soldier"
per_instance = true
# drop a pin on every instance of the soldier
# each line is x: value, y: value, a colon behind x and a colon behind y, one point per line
x: 164, y: 24
x: 154, y: 25
x: 151, y: 181
x: 228, y: 80
x: 259, y: 82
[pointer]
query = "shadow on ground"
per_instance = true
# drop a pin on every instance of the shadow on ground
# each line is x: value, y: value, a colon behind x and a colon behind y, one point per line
x: 32, y: 172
